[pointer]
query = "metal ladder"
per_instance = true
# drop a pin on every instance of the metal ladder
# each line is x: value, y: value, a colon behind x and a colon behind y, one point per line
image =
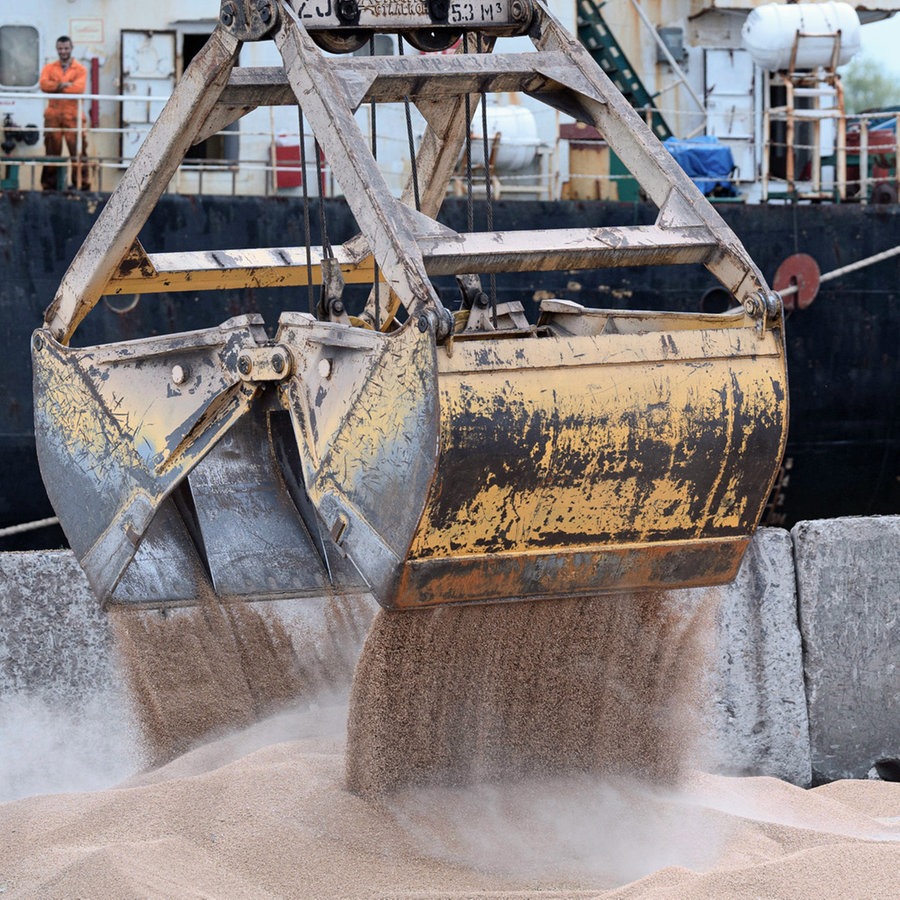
x: 594, y: 33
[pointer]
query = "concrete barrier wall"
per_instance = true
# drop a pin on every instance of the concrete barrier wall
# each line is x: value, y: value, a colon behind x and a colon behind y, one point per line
x: 848, y: 583
x: 804, y: 682
x: 758, y: 716
x: 65, y: 718
x: 54, y: 636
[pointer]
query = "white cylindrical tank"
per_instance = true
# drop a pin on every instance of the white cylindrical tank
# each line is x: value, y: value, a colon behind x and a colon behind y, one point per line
x: 518, y: 140
x: 770, y: 31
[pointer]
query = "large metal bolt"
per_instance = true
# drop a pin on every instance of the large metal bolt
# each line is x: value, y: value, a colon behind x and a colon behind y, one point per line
x: 179, y: 375
x: 347, y: 12
x: 423, y: 323
x: 517, y: 10
x: 38, y: 343
x: 226, y: 16
x: 337, y: 307
x: 265, y: 11
x: 278, y: 362
x: 245, y: 365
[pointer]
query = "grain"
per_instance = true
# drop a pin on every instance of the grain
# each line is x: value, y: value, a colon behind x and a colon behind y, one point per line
x: 197, y: 672
x: 458, y: 695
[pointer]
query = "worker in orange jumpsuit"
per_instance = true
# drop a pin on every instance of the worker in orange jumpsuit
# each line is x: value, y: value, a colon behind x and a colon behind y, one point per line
x: 65, y: 76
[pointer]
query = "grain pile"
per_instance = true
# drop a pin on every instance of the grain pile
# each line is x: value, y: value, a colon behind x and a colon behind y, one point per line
x: 458, y: 695
x: 611, y: 809
x: 264, y: 813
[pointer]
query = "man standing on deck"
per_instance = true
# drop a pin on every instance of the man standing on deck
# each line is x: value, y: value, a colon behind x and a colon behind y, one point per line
x: 61, y: 118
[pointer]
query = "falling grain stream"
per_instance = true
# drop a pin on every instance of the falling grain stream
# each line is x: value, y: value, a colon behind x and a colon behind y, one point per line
x: 458, y: 695
x: 197, y: 672
x: 447, y: 696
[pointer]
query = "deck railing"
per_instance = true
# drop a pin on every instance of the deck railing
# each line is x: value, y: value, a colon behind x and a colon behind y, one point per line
x: 251, y: 159
x: 265, y: 160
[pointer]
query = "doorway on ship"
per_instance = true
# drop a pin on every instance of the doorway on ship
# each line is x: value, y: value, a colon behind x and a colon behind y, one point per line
x: 148, y: 77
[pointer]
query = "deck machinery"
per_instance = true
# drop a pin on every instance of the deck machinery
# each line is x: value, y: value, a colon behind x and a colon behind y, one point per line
x: 424, y: 455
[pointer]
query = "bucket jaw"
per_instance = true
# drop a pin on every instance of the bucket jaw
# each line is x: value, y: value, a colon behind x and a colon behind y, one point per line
x: 425, y: 456
x: 192, y: 462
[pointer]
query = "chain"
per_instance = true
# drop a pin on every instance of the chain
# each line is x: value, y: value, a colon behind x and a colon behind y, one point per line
x: 412, y: 147
x: 307, y: 230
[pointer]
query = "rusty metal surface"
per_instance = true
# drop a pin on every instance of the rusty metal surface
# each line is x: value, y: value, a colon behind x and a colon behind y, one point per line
x: 389, y: 79
x: 116, y: 431
x: 592, y: 451
x: 797, y: 280
x: 366, y: 422
x: 636, y: 453
x: 212, y: 270
x: 255, y: 543
x: 606, y: 461
x: 520, y: 251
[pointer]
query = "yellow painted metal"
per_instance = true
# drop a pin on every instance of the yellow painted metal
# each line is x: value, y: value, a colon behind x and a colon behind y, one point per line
x: 595, y: 451
x: 214, y: 270
x: 599, y: 461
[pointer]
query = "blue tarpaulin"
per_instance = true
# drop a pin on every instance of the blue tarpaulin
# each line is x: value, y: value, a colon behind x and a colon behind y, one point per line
x: 708, y: 163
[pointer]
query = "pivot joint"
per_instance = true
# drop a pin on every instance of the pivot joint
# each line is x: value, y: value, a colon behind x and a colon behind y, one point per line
x: 265, y: 363
x: 249, y: 20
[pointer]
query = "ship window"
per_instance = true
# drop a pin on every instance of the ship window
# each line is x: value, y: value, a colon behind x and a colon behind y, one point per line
x: 19, y: 57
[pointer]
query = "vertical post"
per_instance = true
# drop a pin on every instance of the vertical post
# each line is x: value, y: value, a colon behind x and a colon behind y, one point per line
x: 897, y: 154
x: 841, y: 139
x: 789, y: 134
x: 767, y: 137
x: 864, y: 160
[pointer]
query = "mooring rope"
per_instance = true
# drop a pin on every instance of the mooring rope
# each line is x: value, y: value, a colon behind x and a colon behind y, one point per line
x: 28, y: 526
x: 845, y: 270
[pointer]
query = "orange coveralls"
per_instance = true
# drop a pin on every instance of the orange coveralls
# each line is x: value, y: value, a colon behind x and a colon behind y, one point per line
x: 61, y: 123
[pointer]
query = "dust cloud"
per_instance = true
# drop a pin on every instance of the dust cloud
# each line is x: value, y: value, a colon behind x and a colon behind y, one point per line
x: 164, y: 683
x: 607, y: 831
x: 53, y: 742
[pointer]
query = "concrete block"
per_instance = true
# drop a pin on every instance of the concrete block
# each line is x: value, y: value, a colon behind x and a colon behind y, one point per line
x: 758, y: 714
x: 848, y: 579
x: 54, y: 633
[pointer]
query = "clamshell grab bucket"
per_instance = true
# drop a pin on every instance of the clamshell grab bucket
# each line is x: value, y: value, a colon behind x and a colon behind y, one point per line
x: 603, y: 451
x: 581, y: 464
x: 424, y: 456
